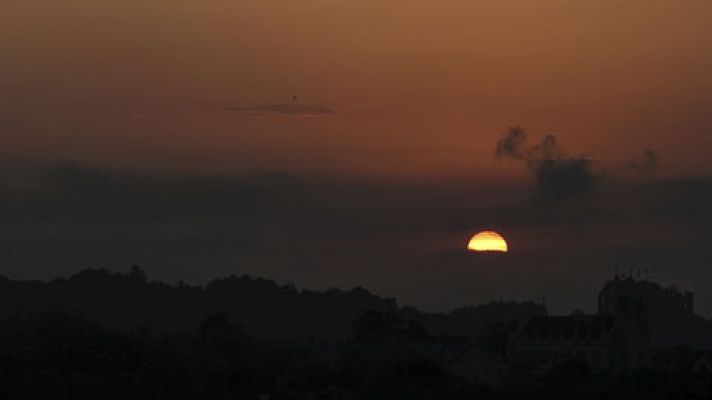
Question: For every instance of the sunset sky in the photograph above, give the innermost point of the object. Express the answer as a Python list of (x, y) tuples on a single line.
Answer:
[(344, 143)]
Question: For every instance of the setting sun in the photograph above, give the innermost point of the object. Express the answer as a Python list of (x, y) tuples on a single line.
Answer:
[(488, 241)]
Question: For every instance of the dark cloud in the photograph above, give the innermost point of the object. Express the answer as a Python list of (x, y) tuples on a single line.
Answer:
[(512, 144), (558, 176), (644, 163)]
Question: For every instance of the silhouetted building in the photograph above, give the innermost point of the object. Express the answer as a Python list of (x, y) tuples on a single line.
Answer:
[(619, 294), (669, 311), (635, 318), (544, 341)]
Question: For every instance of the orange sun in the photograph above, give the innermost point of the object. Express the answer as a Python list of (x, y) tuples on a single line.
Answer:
[(488, 241)]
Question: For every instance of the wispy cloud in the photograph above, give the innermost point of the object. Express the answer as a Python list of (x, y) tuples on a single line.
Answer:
[(288, 109)]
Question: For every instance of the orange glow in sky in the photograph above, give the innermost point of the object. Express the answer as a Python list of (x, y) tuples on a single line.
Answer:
[(304, 87)]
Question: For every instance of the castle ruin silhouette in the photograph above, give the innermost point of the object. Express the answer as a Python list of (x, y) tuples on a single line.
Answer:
[(635, 318)]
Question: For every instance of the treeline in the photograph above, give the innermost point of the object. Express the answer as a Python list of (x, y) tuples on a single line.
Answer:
[(106, 335), (101, 335), (60, 356), (129, 302)]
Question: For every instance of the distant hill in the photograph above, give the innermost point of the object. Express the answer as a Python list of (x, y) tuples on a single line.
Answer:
[(128, 302)]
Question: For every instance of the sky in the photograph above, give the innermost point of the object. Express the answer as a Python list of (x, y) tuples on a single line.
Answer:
[(340, 143)]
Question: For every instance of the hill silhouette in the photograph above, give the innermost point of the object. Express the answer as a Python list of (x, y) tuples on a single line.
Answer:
[(130, 302), (105, 335)]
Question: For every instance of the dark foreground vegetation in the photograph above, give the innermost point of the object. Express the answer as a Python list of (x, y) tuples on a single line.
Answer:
[(53, 351), (66, 357)]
